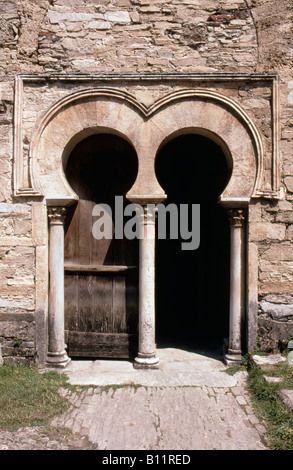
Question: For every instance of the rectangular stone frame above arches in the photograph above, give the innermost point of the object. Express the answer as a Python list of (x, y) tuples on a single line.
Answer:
[(257, 94)]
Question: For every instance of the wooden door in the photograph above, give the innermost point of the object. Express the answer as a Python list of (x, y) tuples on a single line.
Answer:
[(101, 304)]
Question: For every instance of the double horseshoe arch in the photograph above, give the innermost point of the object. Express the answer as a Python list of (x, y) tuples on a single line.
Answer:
[(147, 129)]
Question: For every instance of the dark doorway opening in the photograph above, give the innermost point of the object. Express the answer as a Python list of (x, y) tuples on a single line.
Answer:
[(192, 287), (101, 275)]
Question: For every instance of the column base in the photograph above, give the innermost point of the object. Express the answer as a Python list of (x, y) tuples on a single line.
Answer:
[(146, 362), (233, 357), (58, 360)]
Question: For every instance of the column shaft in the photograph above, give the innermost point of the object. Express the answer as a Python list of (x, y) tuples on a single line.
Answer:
[(57, 355), (146, 357), (237, 221)]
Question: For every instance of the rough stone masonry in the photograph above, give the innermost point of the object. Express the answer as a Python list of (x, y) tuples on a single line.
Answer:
[(236, 49)]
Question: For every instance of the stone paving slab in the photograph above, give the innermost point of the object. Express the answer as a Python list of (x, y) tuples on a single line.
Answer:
[(268, 362), (287, 397), (190, 403)]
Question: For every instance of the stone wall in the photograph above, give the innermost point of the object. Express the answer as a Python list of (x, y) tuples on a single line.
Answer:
[(137, 35), (145, 36), (272, 221)]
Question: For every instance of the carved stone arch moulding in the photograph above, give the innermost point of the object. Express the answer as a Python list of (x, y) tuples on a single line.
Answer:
[(219, 118), (70, 121), (189, 104)]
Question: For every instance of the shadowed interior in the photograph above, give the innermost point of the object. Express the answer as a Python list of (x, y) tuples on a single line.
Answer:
[(192, 286)]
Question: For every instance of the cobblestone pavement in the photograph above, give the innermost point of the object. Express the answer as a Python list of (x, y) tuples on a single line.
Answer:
[(38, 438), (197, 407), (167, 418)]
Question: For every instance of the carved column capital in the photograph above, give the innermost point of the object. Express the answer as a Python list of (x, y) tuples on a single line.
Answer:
[(237, 217), (146, 214), (56, 215), (149, 214)]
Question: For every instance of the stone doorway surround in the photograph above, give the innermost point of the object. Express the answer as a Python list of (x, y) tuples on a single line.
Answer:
[(54, 113)]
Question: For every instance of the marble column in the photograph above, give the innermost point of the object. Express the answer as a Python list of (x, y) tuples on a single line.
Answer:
[(57, 356), (237, 284), (147, 357)]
